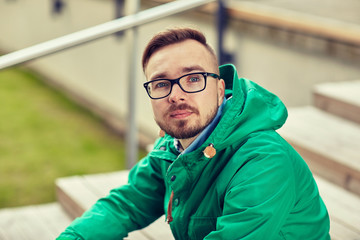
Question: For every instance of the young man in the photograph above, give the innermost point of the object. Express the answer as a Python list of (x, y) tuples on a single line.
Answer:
[(220, 171)]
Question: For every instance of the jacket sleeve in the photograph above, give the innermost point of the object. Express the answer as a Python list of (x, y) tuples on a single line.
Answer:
[(258, 198), (125, 209)]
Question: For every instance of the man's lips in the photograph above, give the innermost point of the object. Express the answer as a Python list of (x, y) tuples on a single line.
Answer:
[(180, 114), (181, 111)]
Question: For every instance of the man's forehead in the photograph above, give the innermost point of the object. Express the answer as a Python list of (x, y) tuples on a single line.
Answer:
[(180, 71), (173, 60)]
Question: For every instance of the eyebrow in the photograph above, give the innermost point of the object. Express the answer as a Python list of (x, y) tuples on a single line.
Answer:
[(185, 70), (192, 68), (158, 76)]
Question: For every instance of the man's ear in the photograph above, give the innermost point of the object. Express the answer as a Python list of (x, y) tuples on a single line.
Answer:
[(221, 91)]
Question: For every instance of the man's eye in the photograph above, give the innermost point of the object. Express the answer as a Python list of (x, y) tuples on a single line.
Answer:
[(194, 79), (161, 84)]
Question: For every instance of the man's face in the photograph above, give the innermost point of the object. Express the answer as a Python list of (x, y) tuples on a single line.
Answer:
[(184, 115)]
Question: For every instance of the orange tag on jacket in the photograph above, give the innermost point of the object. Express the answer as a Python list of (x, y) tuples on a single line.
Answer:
[(210, 151)]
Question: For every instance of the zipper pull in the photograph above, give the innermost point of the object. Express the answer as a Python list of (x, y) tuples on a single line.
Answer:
[(169, 217)]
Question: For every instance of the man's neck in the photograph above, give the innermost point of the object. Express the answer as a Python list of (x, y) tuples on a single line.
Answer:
[(186, 142)]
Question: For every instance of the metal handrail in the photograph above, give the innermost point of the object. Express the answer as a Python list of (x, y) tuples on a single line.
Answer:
[(99, 31)]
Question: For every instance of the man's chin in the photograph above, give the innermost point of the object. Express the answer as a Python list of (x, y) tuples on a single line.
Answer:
[(184, 133), (181, 129)]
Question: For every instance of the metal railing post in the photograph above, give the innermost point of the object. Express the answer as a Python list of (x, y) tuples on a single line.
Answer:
[(222, 21), (132, 141)]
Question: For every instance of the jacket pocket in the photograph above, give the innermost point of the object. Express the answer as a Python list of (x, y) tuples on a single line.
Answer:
[(199, 227)]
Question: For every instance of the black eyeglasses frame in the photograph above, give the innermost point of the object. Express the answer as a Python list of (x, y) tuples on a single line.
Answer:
[(177, 81)]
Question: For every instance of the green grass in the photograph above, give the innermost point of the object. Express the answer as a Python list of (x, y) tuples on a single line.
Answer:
[(43, 136)]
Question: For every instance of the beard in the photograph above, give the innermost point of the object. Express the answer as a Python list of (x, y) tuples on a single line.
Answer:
[(182, 129)]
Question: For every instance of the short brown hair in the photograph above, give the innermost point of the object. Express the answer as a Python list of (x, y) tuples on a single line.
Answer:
[(171, 36)]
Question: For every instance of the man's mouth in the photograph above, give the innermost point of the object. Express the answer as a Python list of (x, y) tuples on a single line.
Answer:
[(180, 114), (181, 111)]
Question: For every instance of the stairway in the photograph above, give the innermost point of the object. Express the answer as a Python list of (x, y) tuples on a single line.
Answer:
[(341, 99), (327, 135), (36, 222)]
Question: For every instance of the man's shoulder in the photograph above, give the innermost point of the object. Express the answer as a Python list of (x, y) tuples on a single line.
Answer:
[(263, 143), (264, 149)]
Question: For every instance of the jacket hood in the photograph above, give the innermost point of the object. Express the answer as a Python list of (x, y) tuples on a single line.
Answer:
[(249, 108)]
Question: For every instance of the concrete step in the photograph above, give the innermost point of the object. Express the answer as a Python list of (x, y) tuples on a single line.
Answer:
[(344, 210), (340, 98), (76, 194), (329, 144), (40, 222)]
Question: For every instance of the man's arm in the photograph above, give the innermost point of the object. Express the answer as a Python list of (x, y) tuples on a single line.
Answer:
[(125, 209), (272, 189)]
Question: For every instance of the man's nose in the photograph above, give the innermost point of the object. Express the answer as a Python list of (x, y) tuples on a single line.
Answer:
[(177, 94)]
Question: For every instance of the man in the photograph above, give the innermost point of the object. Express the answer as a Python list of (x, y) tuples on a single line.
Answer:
[(219, 171)]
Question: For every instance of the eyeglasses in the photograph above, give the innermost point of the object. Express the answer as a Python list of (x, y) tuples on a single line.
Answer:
[(189, 83)]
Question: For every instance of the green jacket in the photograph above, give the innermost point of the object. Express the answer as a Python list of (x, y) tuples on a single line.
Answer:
[(255, 187)]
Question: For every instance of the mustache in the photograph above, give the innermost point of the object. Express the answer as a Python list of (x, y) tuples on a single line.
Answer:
[(182, 106)]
